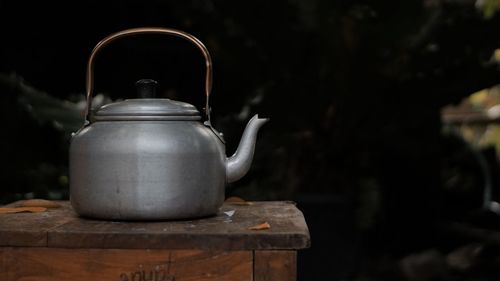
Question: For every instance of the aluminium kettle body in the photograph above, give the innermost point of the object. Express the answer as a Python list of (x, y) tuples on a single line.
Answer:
[(153, 159)]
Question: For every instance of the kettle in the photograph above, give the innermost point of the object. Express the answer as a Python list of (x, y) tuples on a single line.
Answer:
[(150, 158)]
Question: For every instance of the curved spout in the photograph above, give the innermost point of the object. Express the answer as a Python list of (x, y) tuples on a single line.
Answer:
[(239, 164)]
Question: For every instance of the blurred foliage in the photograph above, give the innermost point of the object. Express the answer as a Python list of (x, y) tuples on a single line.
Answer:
[(37, 129), (489, 7)]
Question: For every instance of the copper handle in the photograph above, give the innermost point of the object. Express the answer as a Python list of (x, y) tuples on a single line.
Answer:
[(150, 30)]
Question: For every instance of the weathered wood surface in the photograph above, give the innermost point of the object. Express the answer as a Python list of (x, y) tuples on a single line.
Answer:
[(275, 265), (53, 264), (62, 228), (30, 229)]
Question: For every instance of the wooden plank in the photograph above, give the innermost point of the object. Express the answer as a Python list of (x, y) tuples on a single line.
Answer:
[(53, 264), (275, 265), (30, 229), (288, 231), (3, 264), (62, 228)]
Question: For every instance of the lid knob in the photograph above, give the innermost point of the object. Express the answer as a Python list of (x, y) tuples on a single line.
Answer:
[(146, 88)]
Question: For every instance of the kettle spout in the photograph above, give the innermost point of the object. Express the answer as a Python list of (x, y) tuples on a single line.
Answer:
[(239, 164)]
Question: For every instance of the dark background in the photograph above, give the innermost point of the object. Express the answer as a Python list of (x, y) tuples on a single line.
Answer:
[(353, 89)]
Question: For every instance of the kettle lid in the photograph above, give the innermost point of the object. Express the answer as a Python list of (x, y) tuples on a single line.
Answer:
[(147, 107)]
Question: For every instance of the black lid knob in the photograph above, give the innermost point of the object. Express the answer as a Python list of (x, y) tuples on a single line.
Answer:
[(146, 88)]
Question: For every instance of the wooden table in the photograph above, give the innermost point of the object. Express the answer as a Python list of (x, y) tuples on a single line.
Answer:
[(57, 245)]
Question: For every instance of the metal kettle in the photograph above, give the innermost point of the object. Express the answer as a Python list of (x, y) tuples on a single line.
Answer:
[(152, 159)]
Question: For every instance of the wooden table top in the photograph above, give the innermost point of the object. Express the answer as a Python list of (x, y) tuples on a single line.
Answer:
[(62, 228)]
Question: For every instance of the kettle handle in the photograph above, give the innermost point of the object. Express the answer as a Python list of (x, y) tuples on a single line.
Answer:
[(151, 30)]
